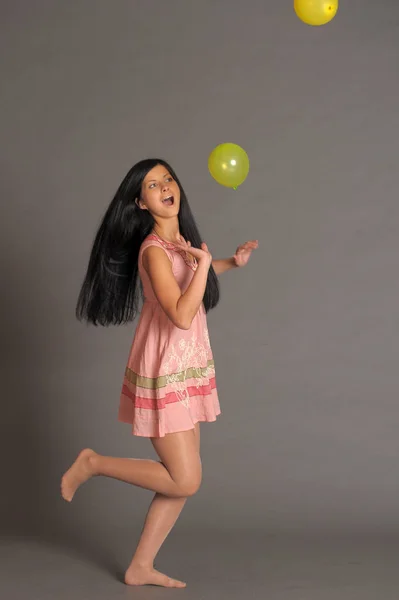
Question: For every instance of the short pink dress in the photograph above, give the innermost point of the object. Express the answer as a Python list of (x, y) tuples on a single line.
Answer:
[(169, 383)]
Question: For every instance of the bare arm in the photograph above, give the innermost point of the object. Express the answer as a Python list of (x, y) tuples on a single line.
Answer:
[(240, 258), (180, 308), (220, 265)]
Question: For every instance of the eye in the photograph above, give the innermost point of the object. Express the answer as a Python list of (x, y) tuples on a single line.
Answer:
[(152, 185), (169, 178)]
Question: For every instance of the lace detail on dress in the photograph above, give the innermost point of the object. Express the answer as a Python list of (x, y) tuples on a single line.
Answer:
[(190, 355)]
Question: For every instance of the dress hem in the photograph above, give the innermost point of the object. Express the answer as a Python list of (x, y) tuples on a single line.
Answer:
[(145, 435)]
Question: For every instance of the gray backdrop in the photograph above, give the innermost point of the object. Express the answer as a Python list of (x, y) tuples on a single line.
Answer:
[(305, 338)]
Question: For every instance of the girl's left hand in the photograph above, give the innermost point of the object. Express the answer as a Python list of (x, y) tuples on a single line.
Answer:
[(243, 253)]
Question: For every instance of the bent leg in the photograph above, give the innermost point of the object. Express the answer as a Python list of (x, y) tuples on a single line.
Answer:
[(177, 475)]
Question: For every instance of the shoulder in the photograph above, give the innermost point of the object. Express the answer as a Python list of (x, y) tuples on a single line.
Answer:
[(153, 248)]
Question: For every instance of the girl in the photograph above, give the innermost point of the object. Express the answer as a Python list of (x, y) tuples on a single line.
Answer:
[(169, 383)]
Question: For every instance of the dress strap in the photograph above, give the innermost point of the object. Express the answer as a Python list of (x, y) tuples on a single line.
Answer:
[(170, 248)]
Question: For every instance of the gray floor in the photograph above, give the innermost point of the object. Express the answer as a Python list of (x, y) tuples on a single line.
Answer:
[(215, 565)]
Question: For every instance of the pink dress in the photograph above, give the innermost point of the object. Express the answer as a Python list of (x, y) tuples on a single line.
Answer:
[(169, 383)]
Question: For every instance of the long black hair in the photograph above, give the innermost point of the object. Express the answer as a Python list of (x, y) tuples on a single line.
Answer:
[(112, 291)]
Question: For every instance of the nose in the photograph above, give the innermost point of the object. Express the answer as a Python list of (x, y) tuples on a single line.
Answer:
[(165, 187)]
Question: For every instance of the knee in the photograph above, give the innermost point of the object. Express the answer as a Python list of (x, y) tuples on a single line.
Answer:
[(189, 486)]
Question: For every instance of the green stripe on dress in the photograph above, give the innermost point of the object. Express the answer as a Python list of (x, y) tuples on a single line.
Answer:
[(155, 383)]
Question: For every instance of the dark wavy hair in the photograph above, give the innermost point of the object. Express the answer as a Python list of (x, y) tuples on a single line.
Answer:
[(112, 291)]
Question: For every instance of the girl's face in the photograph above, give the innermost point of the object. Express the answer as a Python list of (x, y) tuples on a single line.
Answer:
[(160, 193)]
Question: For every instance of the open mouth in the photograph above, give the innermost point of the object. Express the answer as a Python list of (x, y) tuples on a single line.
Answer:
[(169, 201)]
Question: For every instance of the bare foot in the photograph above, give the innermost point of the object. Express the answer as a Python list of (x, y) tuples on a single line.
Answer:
[(136, 575), (79, 472)]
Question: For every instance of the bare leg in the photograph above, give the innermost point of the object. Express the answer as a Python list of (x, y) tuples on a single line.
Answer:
[(177, 476), (161, 517)]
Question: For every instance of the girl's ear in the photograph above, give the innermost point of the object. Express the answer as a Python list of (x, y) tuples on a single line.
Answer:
[(140, 204)]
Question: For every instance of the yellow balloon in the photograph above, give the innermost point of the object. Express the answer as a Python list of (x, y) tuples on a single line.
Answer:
[(229, 165), (316, 12)]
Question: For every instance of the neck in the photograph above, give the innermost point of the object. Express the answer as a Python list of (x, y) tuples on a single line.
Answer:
[(168, 230)]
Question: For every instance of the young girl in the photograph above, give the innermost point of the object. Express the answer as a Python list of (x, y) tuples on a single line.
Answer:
[(169, 383)]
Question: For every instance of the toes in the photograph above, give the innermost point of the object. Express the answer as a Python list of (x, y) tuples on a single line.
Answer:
[(176, 583)]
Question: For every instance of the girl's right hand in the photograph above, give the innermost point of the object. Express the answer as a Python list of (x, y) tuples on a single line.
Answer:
[(201, 254)]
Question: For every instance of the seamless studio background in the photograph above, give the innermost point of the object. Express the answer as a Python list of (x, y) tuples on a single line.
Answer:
[(305, 338)]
